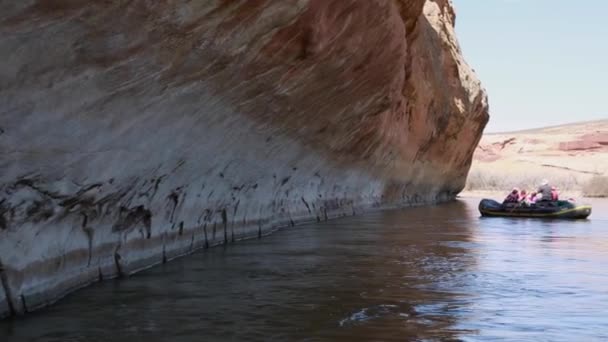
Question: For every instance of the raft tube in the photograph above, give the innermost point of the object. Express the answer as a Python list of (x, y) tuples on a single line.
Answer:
[(554, 210)]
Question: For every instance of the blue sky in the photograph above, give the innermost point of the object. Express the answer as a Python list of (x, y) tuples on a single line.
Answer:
[(543, 62)]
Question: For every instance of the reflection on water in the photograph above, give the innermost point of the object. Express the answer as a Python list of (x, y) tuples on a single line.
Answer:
[(430, 274)]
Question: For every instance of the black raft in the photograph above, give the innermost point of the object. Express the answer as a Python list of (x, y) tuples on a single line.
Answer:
[(557, 209)]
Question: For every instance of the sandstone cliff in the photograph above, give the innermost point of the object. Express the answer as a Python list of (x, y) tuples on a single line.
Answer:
[(135, 131)]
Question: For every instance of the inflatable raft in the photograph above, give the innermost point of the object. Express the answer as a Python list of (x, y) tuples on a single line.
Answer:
[(557, 210)]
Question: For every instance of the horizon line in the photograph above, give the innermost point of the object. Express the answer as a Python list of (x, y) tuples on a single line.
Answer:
[(528, 130)]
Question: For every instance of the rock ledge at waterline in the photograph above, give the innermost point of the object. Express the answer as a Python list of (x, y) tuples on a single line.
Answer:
[(132, 132)]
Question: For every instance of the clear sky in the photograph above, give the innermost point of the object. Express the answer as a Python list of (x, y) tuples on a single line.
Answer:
[(543, 62)]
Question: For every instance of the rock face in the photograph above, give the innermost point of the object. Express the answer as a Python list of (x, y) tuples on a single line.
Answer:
[(132, 132)]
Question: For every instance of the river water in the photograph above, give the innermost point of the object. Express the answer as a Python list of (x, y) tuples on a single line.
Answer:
[(437, 273)]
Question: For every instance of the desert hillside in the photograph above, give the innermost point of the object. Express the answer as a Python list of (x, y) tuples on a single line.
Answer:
[(574, 157)]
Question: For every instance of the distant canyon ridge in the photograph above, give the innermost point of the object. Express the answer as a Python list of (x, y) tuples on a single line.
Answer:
[(133, 132), (573, 157)]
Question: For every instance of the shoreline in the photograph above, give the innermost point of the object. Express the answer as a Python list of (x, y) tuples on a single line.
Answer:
[(54, 286), (501, 194)]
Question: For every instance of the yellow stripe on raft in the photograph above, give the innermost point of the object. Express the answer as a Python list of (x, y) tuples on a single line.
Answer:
[(537, 215)]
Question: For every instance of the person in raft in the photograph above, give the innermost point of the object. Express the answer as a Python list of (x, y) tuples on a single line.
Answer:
[(525, 198), (513, 197), (554, 194), (523, 195), (533, 197), (544, 191)]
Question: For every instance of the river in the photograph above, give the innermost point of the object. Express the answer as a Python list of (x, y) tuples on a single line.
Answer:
[(438, 273)]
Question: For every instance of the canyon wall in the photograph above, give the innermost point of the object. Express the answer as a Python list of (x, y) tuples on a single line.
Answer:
[(132, 132)]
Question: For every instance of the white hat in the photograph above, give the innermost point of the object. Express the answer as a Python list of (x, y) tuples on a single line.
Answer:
[(544, 182)]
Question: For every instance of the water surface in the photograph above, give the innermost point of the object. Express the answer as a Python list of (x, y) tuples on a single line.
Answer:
[(437, 273)]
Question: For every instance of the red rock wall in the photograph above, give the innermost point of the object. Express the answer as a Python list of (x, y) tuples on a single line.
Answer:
[(136, 131)]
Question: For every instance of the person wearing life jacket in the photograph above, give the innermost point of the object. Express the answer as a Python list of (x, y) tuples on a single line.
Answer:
[(513, 197), (524, 197), (532, 198), (554, 194)]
